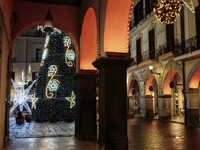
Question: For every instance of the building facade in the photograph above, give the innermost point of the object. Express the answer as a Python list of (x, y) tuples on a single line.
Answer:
[(27, 55), (163, 79)]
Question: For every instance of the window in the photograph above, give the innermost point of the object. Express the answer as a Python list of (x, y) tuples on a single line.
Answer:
[(139, 55), (152, 44), (138, 12), (38, 55), (149, 5)]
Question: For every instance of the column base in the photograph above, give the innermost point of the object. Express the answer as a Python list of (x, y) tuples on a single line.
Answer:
[(192, 116), (113, 144), (85, 118)]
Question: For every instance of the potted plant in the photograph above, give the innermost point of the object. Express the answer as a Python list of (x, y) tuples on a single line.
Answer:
[(20, 118), (39, 119), (69, 119), (27, 118), (53, 120)]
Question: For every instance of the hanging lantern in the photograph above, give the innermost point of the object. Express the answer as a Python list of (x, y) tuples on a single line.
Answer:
[(171, 84), (167, 11), (48, 24), (150, 88)]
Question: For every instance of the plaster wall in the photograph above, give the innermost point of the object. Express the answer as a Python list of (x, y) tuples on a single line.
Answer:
[(188, 66), (5, 38)]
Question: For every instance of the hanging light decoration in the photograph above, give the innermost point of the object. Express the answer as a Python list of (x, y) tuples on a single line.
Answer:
[(48, 24), (167, 11)]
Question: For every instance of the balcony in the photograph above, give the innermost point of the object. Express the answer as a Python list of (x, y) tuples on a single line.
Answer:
[(148, 57), (188, 49), (166, 50)]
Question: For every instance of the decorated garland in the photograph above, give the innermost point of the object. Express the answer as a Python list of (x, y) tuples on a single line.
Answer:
[(167, 11)]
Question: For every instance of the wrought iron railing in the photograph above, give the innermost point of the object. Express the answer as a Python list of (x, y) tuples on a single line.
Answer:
[(167, 47), (188, 46), (146, 55)]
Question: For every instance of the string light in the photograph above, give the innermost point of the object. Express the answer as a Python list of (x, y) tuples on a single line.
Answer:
[(53, 84), (34, 100), (69, 54), (167, 11)]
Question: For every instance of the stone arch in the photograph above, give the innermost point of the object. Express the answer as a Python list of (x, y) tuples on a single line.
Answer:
[(65, 17), (88, 35), (150, 77), (193, 77), (149, 82), (133, 77), (170, 69), (116, 32)]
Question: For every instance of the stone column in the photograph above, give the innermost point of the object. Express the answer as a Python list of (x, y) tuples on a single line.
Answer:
[(164, 107), (131, 105), (146, 103), (192, 106), (142, 107), (112, 103), (85, 117)]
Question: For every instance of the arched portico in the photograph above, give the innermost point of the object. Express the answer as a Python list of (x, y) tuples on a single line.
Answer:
[(133, 95), (193, 94)]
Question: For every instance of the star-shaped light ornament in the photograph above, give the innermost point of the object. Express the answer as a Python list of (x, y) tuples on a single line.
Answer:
[(34, 100), (57, 30), (71, 100), (189, 4), (22, 96)]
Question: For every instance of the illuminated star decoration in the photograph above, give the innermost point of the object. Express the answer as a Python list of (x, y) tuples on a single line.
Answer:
[(21, 97), (189, 4), (34, 100), (71, 100)]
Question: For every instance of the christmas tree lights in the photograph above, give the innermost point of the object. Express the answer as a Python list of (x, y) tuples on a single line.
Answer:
[(55, 80)]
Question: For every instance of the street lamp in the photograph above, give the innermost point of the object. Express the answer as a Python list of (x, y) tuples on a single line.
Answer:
[(151, 70)]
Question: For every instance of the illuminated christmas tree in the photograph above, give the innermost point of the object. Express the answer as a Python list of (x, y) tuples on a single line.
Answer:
[(54, 92)]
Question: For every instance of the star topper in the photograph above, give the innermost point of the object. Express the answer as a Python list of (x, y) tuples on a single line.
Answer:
[(34, 100), (71, 100)]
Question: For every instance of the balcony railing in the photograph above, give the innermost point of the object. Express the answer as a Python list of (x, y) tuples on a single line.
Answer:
[(188, 46), (167, 47), (146, 55)]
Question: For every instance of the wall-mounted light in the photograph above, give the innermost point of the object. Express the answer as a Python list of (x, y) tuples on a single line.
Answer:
[(151, 70), (48, 24)]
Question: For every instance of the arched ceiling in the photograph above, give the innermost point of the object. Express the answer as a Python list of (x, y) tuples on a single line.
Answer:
[(58, 2)]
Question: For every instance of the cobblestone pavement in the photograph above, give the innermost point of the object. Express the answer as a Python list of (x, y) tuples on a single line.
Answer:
[(143, 134), (148, 134), (38, 130)]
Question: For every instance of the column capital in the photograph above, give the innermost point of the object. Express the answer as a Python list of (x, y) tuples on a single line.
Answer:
[(112, 61), (85, 75)]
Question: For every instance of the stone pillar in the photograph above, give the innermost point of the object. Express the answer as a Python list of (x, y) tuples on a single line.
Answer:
[(85, 117), (164, 107), (142, 107), (112, 103), (192, 106), (131, 105), (146, 103)]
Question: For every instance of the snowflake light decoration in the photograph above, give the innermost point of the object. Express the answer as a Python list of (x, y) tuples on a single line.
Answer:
[(53, 85), (66, 41), (70, 55), (21, 97)]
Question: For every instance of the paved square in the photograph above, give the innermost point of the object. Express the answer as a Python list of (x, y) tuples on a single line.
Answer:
[(38, 130)]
